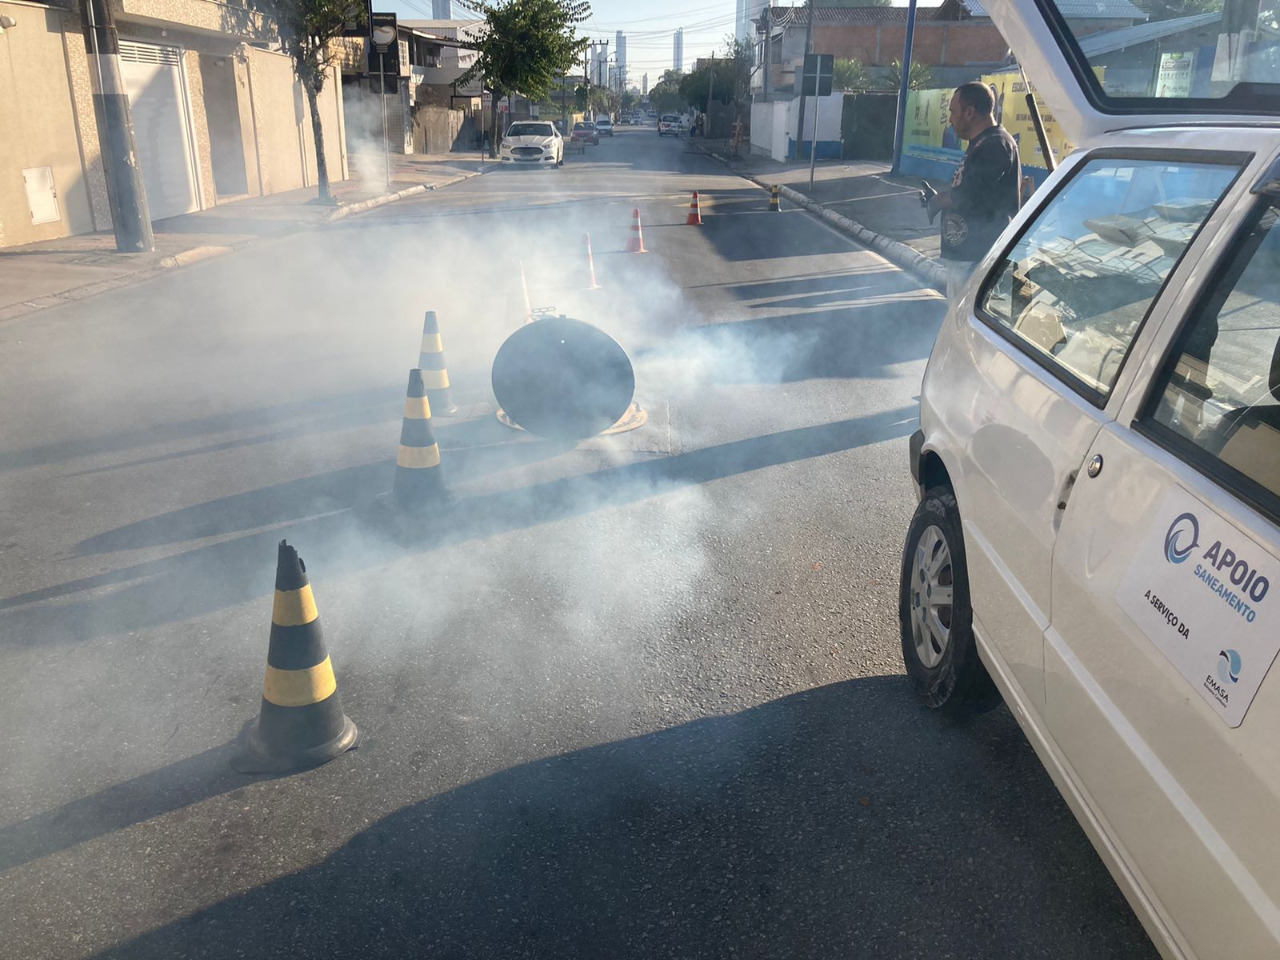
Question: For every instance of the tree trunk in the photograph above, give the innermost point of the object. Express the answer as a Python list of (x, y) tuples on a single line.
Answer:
[(317, 133), (494, 136)]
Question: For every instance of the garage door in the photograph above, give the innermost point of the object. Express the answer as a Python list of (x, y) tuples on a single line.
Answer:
[(157, 88)]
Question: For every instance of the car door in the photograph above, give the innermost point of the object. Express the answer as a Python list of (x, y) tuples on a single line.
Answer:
[(1033, 366), (1162, 697)]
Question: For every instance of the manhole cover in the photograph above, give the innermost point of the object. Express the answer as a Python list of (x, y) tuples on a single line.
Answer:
[(563, 378)]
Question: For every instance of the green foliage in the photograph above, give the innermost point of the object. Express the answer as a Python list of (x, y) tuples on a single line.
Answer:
[(527, 44), (732, 82), (664, 96), (580, 97), (851, 75), (306, 29), (920, 78)]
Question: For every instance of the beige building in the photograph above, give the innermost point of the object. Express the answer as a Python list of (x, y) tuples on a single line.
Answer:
[(217, 114)]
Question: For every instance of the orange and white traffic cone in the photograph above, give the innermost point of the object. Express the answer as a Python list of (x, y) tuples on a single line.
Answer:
[(695, 215), (591, 264), (635, 242)]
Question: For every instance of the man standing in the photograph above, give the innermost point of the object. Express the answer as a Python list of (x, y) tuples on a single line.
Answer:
[(984, 193)]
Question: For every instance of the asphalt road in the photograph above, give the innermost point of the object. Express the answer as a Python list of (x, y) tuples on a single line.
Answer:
[(638, 697)]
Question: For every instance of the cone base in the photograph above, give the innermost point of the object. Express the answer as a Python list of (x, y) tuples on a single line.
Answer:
[(634, 418), (255, 757)]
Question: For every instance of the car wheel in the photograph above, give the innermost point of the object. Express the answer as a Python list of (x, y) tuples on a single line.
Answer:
[(935, 614)]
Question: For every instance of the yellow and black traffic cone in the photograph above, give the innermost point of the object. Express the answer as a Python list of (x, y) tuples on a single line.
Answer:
[(301, 723), (774, 206), (418, 480), (435, 375)]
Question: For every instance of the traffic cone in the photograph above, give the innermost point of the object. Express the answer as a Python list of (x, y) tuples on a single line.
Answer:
[(524, 292), (695, 215), (417, 481), (635, 242), (774, 206), (591, 264), (435, 375), (300, 723)]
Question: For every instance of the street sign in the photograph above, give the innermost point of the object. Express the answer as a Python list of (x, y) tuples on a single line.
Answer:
[(360, 28), (384, 51), (818, 71)]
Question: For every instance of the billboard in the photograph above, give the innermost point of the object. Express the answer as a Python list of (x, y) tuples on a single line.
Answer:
[(929, 138)]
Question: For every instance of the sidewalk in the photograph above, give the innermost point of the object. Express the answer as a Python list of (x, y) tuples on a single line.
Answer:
[(54, 272), (861, 191)]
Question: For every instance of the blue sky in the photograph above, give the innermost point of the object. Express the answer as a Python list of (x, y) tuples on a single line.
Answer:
[(648, 25)]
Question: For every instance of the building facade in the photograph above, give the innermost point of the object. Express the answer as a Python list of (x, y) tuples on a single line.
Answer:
[(217, 114), (677, 50), (620, 74)]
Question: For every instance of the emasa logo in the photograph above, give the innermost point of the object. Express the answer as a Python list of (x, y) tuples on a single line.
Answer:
[(1182, 538), (1229, 666)]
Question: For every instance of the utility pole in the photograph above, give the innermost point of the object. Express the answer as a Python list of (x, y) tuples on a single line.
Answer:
[(899, 128), (130, 216), (768, 43), (808, 49), (711, 86)]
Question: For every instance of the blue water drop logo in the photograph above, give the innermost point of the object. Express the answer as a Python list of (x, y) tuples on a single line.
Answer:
[(1229, 666), (1182, 538)]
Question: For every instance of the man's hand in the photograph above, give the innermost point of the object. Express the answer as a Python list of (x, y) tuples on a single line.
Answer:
[(928, 197)]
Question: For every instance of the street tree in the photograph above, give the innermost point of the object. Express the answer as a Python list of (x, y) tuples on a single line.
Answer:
[(920, 77), (307, 30), (524, 46), (851, 75)]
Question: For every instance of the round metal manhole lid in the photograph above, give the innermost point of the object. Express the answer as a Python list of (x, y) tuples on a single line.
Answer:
[(563, 378)]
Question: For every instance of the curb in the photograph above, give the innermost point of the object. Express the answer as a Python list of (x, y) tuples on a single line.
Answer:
[(895, 251), (184, 257), (350, 209)]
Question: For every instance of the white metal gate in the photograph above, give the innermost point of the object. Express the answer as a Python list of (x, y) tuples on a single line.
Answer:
[(157, 88)]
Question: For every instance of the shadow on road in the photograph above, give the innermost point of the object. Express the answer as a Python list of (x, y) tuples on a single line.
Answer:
[(233, 571), (844, 821)]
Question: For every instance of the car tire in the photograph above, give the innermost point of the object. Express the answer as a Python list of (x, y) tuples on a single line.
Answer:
[(938, 647)]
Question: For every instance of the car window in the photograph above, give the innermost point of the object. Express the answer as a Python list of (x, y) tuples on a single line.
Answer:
[(1175, 53), (1076, 286), (530, 130), (1219, 395)]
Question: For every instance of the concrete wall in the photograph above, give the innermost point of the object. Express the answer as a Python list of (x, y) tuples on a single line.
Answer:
[(250, 100), (286, 156), (830, 114), (40, 125)]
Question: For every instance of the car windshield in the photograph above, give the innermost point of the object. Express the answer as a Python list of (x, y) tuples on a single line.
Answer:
[(1206, 55), (530, 130), (669, 118)]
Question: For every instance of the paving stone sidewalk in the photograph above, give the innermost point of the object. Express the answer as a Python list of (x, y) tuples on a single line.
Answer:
[(53, 272)]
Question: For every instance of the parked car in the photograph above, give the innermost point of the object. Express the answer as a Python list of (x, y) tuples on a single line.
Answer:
[(534, 142), (1098, 465), (669, 123), (584, 131), (604, 126)]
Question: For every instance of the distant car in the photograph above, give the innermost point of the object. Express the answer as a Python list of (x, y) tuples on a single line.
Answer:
[(533, 142), (604, 126), (669, 123), (584, 131)]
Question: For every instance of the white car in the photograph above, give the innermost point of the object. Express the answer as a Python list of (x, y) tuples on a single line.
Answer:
[(605, 126), (532, 142), (669, 123), (1098, 464)]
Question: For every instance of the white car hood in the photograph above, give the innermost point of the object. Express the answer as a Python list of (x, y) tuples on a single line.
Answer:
[(531, 141)]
